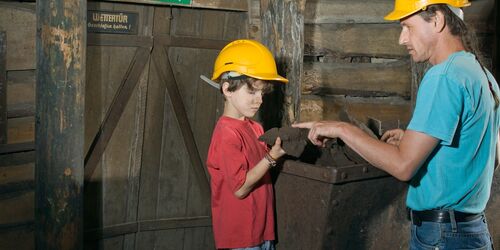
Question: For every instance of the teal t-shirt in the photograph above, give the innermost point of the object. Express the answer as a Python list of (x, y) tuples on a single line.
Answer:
[(455, 105)]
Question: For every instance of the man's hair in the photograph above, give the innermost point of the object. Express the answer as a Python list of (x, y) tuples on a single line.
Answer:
[(235, 84), (456, 26), (459, 28)]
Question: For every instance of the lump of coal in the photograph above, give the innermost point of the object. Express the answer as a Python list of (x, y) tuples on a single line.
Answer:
[(293, 140)]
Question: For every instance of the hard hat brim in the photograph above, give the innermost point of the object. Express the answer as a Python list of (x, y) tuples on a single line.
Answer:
[(270, 77), (265, 77), (398, 15)]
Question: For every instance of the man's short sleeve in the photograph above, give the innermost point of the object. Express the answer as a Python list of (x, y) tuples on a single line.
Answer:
[(438, 108)]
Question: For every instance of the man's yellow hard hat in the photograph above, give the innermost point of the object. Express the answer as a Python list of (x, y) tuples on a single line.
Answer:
[(404, 8), (247, 57)]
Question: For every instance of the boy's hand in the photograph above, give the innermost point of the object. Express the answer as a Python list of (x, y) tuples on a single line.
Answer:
[(277, 151)]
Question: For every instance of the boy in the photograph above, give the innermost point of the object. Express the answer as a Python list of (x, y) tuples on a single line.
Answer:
[(238, 164)]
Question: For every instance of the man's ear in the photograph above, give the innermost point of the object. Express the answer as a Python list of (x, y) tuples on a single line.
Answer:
[(439, 21)]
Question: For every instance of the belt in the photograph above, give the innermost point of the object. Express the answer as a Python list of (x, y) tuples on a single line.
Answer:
[(440, 216)]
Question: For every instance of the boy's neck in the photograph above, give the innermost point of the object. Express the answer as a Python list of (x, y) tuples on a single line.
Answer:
[(230, 111)]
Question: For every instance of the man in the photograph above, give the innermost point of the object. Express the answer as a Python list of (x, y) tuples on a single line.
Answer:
[(448, 150)]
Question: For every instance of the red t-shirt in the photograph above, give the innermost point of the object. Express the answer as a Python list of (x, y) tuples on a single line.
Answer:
[(234, 150)]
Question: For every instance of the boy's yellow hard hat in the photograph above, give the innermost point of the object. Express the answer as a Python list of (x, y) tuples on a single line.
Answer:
[(404, 8), (247, 57)]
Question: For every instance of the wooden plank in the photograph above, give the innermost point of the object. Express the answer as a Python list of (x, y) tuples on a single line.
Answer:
[(3, 87), (25, 157), (184, 42), (148, 225), (21, 110), (162, 62), (13, 174), (18, 209), (16, 189), (357, 79), (151, 159), (95, 39), (161, 26), (328, 108), (20, 25), (20, 237), (238, 5), (353, 11), (20, 93), (283, 32), (118, 105), (241, 5), (16, 148), (376, 40), (21, 130), (136, 153)]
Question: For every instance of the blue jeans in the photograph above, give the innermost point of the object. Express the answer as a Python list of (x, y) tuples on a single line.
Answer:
[(266, 245), (454, 235)]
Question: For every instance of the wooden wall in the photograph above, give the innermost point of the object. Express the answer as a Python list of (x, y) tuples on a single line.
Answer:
[(16, 152), (148, 123), (352, 62)]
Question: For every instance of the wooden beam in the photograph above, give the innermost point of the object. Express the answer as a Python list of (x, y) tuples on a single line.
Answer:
[(353, 11), (3, 87), (238, 5), (357, 79), (96, 39), (7, 160), (386, 109), (374, 40), (60, 51), (16, 148), (283, 34)]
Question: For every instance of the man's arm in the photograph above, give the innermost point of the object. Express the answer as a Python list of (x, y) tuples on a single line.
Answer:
[(401, 161)]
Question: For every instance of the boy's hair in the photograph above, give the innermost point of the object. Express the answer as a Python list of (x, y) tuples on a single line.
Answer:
[(238, 82)]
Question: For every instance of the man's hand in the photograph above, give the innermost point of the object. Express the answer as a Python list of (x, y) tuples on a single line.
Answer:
[(393, 136), (320, 132)]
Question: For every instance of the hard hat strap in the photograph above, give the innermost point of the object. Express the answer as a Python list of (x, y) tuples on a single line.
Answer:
[(232, 75), (457, 11)]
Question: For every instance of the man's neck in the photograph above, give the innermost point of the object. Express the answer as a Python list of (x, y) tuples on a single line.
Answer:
[(447, 45)]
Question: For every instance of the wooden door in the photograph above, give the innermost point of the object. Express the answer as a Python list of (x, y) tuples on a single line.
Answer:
[(149, 120)]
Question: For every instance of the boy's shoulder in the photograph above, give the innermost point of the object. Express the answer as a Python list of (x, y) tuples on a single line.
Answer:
[(229, 126)]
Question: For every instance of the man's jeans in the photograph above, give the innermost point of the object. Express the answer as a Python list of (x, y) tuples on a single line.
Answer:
[(455, 235)]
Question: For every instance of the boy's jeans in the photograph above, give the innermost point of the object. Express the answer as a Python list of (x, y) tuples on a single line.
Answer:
[(462, 235), (267, 245)]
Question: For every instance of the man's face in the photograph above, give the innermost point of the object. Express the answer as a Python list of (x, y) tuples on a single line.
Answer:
[(419, 38)]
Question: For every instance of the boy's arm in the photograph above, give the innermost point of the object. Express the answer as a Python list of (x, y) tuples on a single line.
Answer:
[(256, 173)]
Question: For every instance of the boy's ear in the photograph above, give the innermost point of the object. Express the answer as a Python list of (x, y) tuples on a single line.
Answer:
[(225, 91)]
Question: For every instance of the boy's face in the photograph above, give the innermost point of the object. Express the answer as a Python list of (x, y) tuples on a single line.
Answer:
[(244, 102)]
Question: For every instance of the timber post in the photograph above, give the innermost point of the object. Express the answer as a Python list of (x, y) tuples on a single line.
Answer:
[(283, 34), (59, 123)]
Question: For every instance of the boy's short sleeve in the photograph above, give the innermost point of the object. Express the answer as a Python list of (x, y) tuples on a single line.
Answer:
[(438, 108), (231, 160)]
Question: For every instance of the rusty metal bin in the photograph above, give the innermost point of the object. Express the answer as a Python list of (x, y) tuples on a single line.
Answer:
[(348, 207)]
